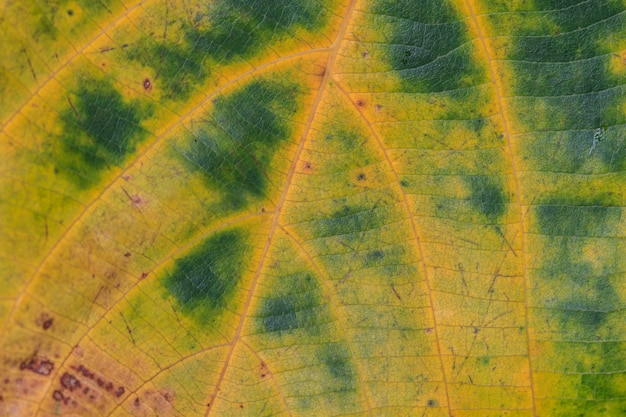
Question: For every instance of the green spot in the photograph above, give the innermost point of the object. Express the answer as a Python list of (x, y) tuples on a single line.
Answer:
[(233, 147), (404, 183), (337, 361), (487, 197), (297, 308), (226, 31), (205, 279), (349, 221), (100, 130), (432, 403), (577, 218), (428, 45), (297, 305), (567, 224)]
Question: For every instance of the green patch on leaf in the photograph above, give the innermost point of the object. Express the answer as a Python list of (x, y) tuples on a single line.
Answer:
[(336, 358), (487, 197), (429, 48), (100, 129), (233, 147), (224, 32), (204, 280), (297, 306)]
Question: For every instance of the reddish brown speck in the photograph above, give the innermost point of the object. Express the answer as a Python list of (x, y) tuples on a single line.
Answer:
[(120, 391), (127, 254), (364, 54), (137, 402), (240, 405), (143, 275), (147, 85), (46, 324), (360, 103), (57, 395)]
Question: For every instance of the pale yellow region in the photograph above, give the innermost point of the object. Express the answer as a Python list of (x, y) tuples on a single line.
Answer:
[(179, 389), (250, 387)]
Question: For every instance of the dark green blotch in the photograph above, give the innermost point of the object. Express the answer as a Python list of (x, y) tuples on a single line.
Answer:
[(203, 281), (349, 221), (374, 257), (337, 361), (233, 148), (297, 306), (428, 45), (487, 197), (566, 74), (99, 130), (229, 30), (577, 218)]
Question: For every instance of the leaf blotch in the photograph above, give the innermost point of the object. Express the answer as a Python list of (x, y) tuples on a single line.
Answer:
[(428, 45), (233, 147), (204, 280), (224, 32), (348, 221), (487, 197), (337, 361), (297, 307), (100, 129)]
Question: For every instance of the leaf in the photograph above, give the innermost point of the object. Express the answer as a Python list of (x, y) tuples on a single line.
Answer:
[(312, 207)]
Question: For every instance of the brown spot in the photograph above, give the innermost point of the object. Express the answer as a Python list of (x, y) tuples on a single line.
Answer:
[(428, 331), (45, 321), (69, 381), (143, 275), (364, 54), (262, 375), (38, 365), (147, 84), (168, 394), (378, 107), (57, 395), (361, 177), (137, 402), (127, 254), (360, 103), (120, 391), (307, 166), (240, 405)]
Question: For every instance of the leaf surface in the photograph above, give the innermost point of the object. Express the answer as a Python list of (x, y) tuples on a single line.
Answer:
[(312, 207)]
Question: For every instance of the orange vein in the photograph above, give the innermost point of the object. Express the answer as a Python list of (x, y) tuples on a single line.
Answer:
[(414, 228), (292, 169), (507, 134), (271, 374), (123, 172)]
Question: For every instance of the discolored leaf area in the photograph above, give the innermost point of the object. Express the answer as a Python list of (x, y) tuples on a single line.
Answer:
[(312, 208)]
